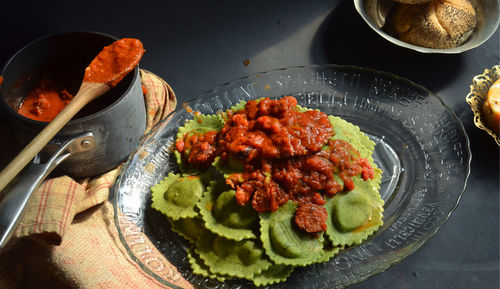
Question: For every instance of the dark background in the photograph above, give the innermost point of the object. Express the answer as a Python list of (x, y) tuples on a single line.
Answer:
[(197, 45)]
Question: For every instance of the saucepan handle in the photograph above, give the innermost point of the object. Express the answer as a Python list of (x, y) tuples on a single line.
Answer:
[(13, 205)]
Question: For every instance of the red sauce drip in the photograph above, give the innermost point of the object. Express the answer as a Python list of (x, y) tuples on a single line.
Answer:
[(286, 154), (113, 63)]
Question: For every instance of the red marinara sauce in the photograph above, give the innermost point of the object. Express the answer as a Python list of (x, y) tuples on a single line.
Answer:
[(46, 100), (113, 63), (287, 154), (201, 147)]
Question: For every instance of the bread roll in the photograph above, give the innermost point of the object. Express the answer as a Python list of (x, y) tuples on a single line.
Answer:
[(436, 24), (412, 1), (491, 107)]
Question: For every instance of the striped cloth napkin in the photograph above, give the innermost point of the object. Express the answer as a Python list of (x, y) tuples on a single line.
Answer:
[(67, 238)]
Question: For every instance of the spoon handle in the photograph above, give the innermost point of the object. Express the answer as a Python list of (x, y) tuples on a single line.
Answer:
[(87, 92)]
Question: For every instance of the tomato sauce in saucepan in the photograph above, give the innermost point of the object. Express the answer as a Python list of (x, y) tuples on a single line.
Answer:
[(286, 154), (110, 66), (46, 100)]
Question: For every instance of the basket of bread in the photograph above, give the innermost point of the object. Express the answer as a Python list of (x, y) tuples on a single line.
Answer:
[(484, 100), (432, 26)]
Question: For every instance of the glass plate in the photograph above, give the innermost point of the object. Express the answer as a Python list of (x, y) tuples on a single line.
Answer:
[(420, 145)]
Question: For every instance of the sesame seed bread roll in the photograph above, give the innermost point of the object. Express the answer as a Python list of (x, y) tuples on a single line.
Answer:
[(412, 1), (436, 24)]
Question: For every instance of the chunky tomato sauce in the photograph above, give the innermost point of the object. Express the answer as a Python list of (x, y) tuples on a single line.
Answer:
[(45, 101), (113, 63), (201, 148), (286, 155)]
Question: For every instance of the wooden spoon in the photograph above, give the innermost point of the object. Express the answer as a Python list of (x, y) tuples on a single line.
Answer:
[(107, 69)]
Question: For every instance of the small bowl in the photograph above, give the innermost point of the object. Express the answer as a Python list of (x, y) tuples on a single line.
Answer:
[(478, 91), (374, 12)]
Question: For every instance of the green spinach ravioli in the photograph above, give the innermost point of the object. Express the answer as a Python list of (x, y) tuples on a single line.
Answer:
[(239, 211)]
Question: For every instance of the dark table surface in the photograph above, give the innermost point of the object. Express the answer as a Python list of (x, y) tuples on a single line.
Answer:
[(197, 45)]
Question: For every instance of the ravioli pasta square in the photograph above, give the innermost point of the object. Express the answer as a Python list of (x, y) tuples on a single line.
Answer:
[(242, 259), (177, 196), (222, 216), (284, 243)]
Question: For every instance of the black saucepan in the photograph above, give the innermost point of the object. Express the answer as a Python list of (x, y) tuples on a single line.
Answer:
[(96, 140)]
